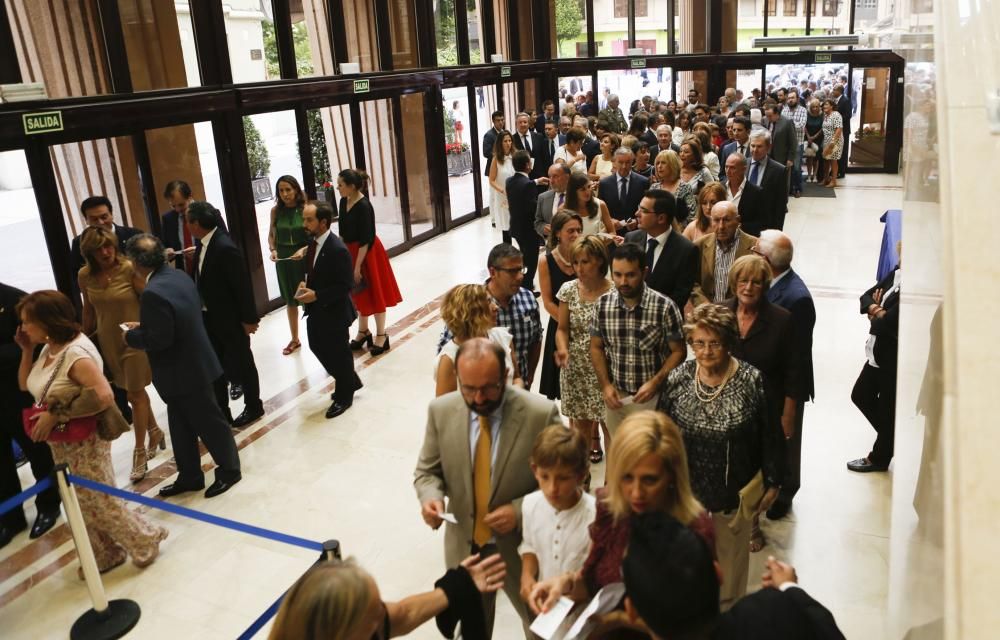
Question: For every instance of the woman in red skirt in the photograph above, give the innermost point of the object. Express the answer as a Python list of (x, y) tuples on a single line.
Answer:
[(375, 285)]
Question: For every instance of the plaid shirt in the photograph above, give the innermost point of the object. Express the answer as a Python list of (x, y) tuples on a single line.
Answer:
[(798, 118), (636, 340), (522, 319)]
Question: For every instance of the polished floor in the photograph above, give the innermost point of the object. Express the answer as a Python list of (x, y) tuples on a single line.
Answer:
[(350, 478)]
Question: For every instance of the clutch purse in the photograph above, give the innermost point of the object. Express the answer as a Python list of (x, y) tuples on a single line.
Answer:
[(76, 430), (359, 287)]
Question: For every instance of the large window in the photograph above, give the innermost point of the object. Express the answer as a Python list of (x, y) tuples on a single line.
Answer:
[(444, 33), (458, 150), (651, 28), (24, 259), (570, 20)]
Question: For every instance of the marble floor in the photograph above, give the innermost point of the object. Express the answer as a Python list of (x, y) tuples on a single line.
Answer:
[(350, 478)]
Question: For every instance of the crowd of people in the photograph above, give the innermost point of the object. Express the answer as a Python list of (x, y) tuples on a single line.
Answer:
[(640, 264)]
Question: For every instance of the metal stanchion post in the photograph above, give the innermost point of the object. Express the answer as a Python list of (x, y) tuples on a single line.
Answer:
[(108, 619), (331, 551)]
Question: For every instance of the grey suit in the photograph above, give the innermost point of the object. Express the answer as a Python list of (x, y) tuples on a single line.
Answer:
[(444, 470), (543, 212)]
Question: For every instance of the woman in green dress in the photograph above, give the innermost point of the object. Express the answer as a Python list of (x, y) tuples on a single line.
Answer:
[(285, 237)]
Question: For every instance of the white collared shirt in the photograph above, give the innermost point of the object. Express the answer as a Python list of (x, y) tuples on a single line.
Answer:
[(204, 247), (661, 241), (761, 166), (559, 539), (781, 275), (735, 197), (319, 244)]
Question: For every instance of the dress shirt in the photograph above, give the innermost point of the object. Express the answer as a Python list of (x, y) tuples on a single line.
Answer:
[(894, 291), (559, 539), (556, 204), (526, 141), (204, 247), (661, 241), (735, 197), (319, 245), (781, 275), (724, 258), (495, 419)]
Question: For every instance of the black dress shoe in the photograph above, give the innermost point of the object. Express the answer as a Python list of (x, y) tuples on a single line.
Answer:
[(778, 510), (235, 392), (45, 521), (336, 409), (221, 486), (7, 533), (248, 416), (177, 489), (864, 465)]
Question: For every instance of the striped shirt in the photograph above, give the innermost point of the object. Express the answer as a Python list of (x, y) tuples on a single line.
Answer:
[(798, 117), (724, 258), (636, 340)]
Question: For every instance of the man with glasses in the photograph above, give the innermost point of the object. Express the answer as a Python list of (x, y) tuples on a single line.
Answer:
[(517, 309), (488, 428), (718, 250), (636, 338), (671, 259)]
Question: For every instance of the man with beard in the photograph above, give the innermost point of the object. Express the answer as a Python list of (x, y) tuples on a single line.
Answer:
[(476, 453)]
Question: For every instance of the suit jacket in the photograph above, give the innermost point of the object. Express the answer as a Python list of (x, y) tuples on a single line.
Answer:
[(537, 144), (444, 468), (886, 328), (674, 272), (562, 140), (704, 286), (591, 148), (792, 294), (607, 190), (10, 353), (771, 614), (170, 234), (123, 234), (543, 157), (332, 278), (224, 287), (649, 137), (489, 139), (753, 209), (522, 200), (172, 333), (844, 109), (727, 149), (543, 212), (784, 142), (774, 184)]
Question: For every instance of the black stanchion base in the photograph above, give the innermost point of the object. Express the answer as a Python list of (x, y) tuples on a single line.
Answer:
[(118, 620)]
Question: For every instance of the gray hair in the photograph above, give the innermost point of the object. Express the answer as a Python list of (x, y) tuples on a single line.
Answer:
[(761, 134), (146, 251), (613, 96), (501, 252), (623, 151), (778, 253)]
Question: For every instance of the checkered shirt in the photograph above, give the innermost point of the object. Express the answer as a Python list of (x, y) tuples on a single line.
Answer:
[(798, 118)]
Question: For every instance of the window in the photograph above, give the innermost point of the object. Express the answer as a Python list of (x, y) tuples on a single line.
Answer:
[(641, 8), (831, 7), (772, 7), (570, 19), (791, 7)]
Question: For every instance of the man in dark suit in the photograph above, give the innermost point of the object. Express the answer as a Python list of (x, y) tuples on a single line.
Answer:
[(172, 333), (749, 199), (547, 115), (547, 153), (527, 140), (653, 121), (174, 234), (740, 142), (664, 141), (490, 138), (12, 401), (522, 200), (551, 200), (671, 259), (230, 315), (784, 143), (788, 291), (326, 294), (622, 190), (771, 177), (843, 105), (591, 146)]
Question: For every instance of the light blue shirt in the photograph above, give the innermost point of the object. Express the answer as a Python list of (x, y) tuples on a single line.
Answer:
[(495, 418)]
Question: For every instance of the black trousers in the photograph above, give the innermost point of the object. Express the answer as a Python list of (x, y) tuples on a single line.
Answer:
[(330, 345), (39, 457), (528, 244), (793, 459), (193, 416), (875, 395), (238, 365)]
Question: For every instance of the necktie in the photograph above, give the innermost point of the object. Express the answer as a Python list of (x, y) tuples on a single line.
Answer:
[(188, 260), (196, 272), (481, 481), (753, 174), (651, 245), (310, 257), (623, 194), (552, 149), (562, 199), (527, 145), (742, 152)]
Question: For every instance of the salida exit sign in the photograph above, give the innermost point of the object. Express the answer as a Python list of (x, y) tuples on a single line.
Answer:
[(45, 122)]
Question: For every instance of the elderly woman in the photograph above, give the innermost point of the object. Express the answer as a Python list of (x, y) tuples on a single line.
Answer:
[(767, 342), (555, 269), (719, 404), (338, 600), (582, 401), (647, 471), (711, 194), (111, 291), (833, 141), (468, 312), (694, 175), (70, 367)]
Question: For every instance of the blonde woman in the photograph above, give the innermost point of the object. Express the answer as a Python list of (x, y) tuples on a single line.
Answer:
[(647, 471), (468, 312)]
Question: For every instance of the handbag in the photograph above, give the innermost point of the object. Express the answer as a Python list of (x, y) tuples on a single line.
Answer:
[(810, 150), (75, 430)]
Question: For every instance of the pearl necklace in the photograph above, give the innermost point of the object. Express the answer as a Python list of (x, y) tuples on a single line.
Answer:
[(560, 259), (701, 390)]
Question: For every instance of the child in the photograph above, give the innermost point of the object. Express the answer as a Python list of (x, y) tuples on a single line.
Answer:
[(555, 519)]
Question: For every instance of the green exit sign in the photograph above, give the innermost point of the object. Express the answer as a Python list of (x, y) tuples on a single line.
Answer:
[(824, 57), (504, 72), (638, 63), (361, 86), (45, 122)]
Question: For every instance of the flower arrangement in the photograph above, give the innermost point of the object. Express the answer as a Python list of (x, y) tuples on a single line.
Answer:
[(455, 148), (327, 186)]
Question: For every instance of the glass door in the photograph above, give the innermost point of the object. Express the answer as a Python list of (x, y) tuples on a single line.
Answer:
[(459, 148), (869, 94)]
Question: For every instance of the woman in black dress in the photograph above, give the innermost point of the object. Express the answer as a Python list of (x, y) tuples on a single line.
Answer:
[(554, 269)]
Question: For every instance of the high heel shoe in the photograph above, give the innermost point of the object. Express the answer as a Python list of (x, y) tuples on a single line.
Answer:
[(139, 465), (359, 345), (377, 350), (157, 440), (596, 453)]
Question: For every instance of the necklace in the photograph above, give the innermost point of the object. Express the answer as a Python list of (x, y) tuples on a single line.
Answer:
[(703, 391), (557, 252)]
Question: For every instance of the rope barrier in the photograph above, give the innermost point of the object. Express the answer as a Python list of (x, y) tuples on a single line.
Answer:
[(197, 515), (259, 623), (11, 503)]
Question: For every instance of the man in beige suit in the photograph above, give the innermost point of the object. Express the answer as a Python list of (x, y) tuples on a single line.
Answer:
[(719, 250), (476, 453)]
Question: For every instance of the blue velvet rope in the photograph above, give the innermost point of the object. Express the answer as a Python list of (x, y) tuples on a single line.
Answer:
[(196, 515), (40, 486), (262, 620)]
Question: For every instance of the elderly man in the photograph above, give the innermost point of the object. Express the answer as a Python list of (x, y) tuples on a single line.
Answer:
[(623, 189), (565, 124), (614, 116), (553, 199), (747, 197), (665, 140), (477, 454), (787, 290), (770, 177), (527, 140), (718, 251)]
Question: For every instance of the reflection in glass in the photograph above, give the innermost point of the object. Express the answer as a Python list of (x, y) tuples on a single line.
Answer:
[(418, 179), (611, 27), (383, 185), (690, 26), (486, 104), (24, 257), (458, 151), (570, 19), (302, 45), (475, 32), (632, 85), (870, 93), (651, 33), (444, 33)]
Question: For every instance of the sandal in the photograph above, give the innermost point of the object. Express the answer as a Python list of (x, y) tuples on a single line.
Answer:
[(358, 344), (292, 347), (757, 539), (596, 453), (157, 440), (139, 465)]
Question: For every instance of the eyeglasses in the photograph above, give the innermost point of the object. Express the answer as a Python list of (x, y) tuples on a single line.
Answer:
[(513, 270), (755, 283), (701, 345), (486, 390)]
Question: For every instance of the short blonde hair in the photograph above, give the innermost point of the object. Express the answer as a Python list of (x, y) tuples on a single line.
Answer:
[(753, 266), (93, 240), (328, 602), (557, 445), (639, 435), (716, 318), (466, 311), (673, 161), (594, 247)]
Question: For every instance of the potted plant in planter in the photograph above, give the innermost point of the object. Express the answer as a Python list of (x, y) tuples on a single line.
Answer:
[(320, 158), (459, 158), (259, 161)]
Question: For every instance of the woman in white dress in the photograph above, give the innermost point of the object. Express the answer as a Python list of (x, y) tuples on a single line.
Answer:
[(580, 199), (501, 168)]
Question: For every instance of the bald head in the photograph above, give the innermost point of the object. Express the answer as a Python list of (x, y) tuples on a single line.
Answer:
[(776, 248), (725, 220)]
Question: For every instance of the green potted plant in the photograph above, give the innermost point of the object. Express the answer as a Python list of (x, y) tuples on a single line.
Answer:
[(320, 157), (259, 161)]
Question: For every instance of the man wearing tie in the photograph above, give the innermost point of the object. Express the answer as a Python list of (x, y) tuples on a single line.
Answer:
[(527, 140), (671, 259), (326, 294), (739, 144), (522, 199), (174, 232), (476, 453), (547, 154), (553, 199), (622, 190), (770, 176)]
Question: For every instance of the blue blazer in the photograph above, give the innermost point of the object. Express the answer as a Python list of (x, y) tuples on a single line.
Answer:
[(792, 294), (172, 333)]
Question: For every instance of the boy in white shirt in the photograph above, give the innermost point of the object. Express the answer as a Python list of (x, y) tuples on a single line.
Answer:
[(555, 520)]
